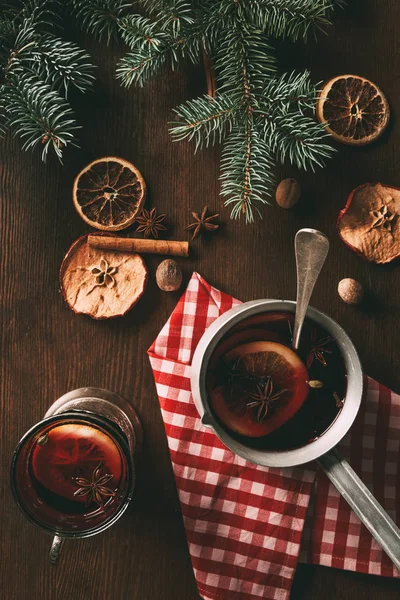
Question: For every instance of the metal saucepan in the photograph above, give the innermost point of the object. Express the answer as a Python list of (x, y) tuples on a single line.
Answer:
[(322, 449)]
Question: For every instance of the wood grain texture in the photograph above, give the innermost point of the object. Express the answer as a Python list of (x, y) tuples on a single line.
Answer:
[(47, 350)]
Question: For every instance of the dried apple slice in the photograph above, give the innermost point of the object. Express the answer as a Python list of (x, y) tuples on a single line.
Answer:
[(284, 392), (369, 223), (101, 283)]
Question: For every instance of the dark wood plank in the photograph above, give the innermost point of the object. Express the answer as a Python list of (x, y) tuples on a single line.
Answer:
[(47, 350)]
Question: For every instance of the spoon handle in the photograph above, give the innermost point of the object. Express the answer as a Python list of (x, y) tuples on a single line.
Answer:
[(311, 247), (366, 507)]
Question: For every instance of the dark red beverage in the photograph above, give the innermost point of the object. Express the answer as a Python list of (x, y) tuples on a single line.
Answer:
[(269, 396), (71, 474)]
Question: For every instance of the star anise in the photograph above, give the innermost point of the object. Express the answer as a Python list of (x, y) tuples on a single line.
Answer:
[(383, 217), (263, 398), (318, 350), (234, 377), (150, 223), (202, 222), (95, 489), (104, 274)]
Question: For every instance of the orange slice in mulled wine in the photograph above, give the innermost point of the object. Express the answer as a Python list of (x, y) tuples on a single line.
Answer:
[(72, 451), (233, 340), (269, 385)]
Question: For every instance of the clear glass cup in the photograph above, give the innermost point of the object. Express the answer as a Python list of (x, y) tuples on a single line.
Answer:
[(73, 473)]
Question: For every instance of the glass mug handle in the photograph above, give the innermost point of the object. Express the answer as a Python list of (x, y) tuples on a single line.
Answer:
[(55, 549)]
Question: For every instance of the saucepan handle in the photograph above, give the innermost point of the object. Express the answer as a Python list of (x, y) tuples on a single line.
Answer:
[(363, 503), (55, 549)]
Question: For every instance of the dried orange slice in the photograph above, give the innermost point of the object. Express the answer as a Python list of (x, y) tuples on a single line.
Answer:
[(109, 193), (354, 109)]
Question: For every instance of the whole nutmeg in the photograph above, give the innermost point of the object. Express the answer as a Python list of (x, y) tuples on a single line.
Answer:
[(351, 291), (288, 193), (169, 276)]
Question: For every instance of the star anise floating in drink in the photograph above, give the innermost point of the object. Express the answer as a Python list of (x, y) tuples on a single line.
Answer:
[(150, 223), (318, 350), (95, 489), (263, 398), (202, 222)]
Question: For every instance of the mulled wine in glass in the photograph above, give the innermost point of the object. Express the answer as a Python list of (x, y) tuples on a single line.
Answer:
[(73, 473)]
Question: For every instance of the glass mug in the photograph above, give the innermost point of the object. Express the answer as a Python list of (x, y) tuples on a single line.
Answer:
[(73, 473)]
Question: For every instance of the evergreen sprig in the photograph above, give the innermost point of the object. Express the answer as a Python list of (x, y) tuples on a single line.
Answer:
[(38, 68), (38, 114), (260, 116), (100, 17)]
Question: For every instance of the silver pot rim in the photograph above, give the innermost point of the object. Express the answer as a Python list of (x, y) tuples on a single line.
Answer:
[(286, 458)]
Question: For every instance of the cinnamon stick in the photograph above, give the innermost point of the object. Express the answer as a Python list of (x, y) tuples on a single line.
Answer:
[(138, 245)]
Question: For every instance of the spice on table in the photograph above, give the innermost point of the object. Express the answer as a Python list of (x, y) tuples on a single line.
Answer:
[(120, 244), (354, 110), (101, 283), (202, 222), (288, 193), (150, 223), (369, 224), (109, 193), (351, 291), (169, 276)]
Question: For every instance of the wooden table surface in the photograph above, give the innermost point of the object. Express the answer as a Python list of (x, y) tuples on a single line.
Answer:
[(47, 350)]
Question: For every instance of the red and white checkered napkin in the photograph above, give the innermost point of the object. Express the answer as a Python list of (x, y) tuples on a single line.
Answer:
[(244, 523)]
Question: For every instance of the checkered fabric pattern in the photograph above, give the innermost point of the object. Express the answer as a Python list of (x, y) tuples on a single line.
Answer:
[(244, 523), (334, 536)]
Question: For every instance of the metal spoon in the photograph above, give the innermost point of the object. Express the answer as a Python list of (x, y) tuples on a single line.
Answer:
[(311, 248)]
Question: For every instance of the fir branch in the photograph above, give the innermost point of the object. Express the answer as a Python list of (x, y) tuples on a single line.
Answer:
[(246, 167), (140, 33), (287, 118), (139, 66), (63, 65), (244, 61), (292, 19), (299, 139), (38, 115), (8, 33), (290, 90), (174, 16), (4, 116), (42, 14), (101, 18), (205, 120), (22, 42)]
